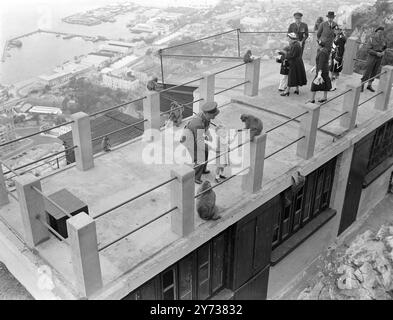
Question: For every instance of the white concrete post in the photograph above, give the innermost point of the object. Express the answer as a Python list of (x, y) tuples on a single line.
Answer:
[(308, 127), (3, 189), (252, 75), (81, 135), (252, 181), (195, 105), (351, 49), (151, 113), (350, 105), (206, 89), (183, 197), (32, 208), (82, 237), (385, 87)]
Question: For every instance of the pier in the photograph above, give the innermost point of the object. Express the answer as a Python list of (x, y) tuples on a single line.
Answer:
[(67, 35)]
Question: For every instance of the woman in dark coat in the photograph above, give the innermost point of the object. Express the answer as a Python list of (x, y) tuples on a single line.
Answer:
[(338, 48), (321, 81), (297, 73)]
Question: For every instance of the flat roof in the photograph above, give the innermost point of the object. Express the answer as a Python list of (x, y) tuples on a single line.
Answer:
[(124, 173)]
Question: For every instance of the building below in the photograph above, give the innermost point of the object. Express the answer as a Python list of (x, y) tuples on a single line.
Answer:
[(7, 131)]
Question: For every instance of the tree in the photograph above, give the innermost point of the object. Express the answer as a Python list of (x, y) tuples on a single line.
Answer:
[(60, 119)]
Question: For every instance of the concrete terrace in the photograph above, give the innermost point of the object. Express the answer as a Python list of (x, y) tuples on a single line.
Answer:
[(122, 174)]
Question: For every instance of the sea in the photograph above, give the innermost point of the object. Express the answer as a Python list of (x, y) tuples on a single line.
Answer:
[(42, 52)]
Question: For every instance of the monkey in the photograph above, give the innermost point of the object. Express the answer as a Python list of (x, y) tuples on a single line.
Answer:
[(206, 203), (152, 85), (253, 123), (106, 146), (176, 114), (248, 57)]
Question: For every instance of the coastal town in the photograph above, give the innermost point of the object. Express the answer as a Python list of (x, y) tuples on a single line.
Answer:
[(118, 70)]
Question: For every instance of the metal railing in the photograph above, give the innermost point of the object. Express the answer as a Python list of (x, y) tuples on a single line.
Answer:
[(44, 223), (136, 229), (284, 147), (133, 198)]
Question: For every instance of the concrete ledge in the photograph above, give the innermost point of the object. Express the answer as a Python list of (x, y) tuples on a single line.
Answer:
[(300, 236)]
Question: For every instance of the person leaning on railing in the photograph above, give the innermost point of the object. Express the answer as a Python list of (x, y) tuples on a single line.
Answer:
[(376, 47), (195, 142)]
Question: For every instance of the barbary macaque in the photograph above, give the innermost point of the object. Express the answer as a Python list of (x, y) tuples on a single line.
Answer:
[(206, 203), (253, 123), (248, 57)]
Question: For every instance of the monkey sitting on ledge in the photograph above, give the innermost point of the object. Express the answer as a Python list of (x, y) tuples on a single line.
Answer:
[(253, 123), (206, 203)]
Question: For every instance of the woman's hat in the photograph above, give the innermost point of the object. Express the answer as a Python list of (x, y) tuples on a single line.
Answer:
[(298, 14), (331, 14), (380, 28), (336, 27), (210, 107), (292, 36)]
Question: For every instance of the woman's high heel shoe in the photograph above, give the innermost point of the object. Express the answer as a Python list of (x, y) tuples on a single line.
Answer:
[(296, 92), (284, 94)]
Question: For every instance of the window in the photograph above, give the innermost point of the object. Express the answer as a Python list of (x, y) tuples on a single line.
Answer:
[(204, 272), (169, 284), (218, 254), (382, 146), (300, 206), (186, 278)]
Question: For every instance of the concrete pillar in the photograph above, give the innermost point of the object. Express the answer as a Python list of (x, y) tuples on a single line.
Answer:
[(313, 49), (3, 189), (252, 75), (82, 237), (252, 181), (151, 113), (308, 127), (206, 88), (350, 104), (351, 49), (32, 208), (81, 135), (384, 86), (340, 181), (183, 197), (196, 105)]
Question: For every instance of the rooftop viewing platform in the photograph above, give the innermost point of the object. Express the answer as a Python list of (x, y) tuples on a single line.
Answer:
[(140, 209)]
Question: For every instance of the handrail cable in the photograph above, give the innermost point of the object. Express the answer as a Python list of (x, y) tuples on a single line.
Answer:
[(12, 195), (286, 146), (220, 183), (134, 198), (53, 230), (36, 133), (200, 56), (197, 40), (372, 78), (230, 88), (335, 118), (230, 68), (51, 201), (116, 106), (368, 99), (285, 122), (179, 85), (9, 168), (41, 159), (118, 130), (135, 230), (335, 97)]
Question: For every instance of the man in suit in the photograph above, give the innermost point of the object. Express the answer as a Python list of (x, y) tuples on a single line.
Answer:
[(299, 28), (376, 47), (326, 31)]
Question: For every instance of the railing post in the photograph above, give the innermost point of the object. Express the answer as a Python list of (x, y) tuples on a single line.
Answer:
[(313, 49), (81, 135), (82, 237), (350, 105), (32, 208), (183, 197), (252, 76), (308, 128), (385, 88), (151, 113), (3, 189), (252, 181), (351, 49), (206, 89)]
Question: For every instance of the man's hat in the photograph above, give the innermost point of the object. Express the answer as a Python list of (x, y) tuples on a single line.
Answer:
[(292, 36), (331, 14), (210, 107), (298, 14)]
